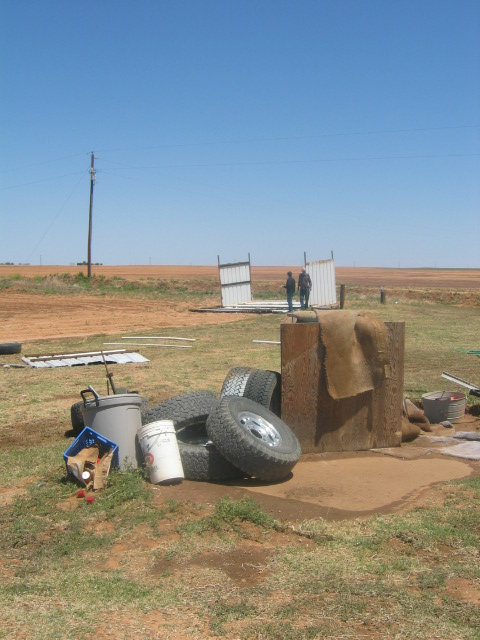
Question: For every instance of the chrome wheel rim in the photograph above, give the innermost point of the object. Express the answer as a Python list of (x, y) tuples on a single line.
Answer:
[(260, 428)]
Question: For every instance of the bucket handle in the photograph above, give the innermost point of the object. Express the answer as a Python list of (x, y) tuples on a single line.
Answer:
[(95, 395)]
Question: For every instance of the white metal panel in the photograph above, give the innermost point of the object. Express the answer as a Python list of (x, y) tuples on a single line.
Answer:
[(51, 362), (237, 294), (235, 281), (323, 292)]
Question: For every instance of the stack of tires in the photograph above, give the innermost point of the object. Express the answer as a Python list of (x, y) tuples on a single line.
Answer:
[(237, 435)]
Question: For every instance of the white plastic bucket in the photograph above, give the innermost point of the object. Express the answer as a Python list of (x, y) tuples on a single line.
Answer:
[(158, 441), (117, 418)]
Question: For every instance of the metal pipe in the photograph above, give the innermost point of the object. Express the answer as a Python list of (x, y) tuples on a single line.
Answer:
[(154, 344), (156, 338), (78, 355)]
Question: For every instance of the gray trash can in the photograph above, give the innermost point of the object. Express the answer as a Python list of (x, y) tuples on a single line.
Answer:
[(117, 418)]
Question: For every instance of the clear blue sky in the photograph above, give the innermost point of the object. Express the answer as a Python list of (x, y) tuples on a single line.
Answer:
[(228, 127)]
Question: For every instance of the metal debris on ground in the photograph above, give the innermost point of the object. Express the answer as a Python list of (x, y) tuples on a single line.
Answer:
[(153, 344), (157, 338), (115, 356), (260, 306), (474, 390), (462, 444)]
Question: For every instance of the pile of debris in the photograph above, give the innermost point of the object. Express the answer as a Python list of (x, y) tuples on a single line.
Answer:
[(239, 434), (236, 435)]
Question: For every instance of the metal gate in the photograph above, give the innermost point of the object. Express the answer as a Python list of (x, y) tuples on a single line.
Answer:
[(235, 281), (323, 292)]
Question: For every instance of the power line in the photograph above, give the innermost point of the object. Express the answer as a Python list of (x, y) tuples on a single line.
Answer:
[(28, 184), (286, 162), (41, 163), (291, 138), (55, 218)]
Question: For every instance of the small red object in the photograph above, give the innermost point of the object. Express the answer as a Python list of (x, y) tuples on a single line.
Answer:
[(81, 493), (90, 499)]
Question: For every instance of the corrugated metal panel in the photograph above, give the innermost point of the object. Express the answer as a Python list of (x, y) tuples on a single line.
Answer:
[(324, 292), (75, 360), (235, 281), (125, 358)]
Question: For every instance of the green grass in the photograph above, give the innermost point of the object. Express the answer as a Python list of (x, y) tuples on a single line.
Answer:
[(227, 513), (389, 573), (68, 568), (98, 285), (39, 400)]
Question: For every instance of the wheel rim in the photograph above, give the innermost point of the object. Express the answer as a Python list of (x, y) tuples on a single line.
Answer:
[(260, 428)]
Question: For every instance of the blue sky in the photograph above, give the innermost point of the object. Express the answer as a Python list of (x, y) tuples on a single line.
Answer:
[(228, 127)]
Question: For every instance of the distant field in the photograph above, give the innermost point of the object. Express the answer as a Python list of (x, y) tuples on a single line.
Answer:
[(36, 303), (423, 278)]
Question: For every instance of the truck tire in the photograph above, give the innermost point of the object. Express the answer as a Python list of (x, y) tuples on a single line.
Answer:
[(202, 461), (8, 348), (235, 381), (77, 417), (253, 438), (265, 387), (188, 410)]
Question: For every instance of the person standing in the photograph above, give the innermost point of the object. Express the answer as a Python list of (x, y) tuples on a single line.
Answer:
[(290, 288), (304, 286)]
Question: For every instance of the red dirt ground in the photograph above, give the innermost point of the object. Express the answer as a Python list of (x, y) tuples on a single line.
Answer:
[(321, 485), (24, 317), (434, 278)]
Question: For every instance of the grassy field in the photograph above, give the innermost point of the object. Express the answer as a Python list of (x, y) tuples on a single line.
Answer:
[(133, 566)]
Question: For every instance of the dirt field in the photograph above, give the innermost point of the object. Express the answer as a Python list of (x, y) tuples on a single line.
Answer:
[(24, 318), (338, 486), (321, 485), (433, 278)]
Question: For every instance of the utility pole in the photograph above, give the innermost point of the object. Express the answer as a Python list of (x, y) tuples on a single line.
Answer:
[(92, 182)]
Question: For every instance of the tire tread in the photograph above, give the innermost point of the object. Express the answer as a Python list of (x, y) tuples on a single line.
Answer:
[(244, 452), (236, 381)]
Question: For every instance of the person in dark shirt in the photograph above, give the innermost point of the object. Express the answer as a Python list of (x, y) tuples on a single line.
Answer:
[(304, 286), (290, 288)]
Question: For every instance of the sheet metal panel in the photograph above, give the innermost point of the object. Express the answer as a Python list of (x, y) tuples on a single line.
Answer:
[(257, 306), (235, 281), (324, 292), (67, 361)]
